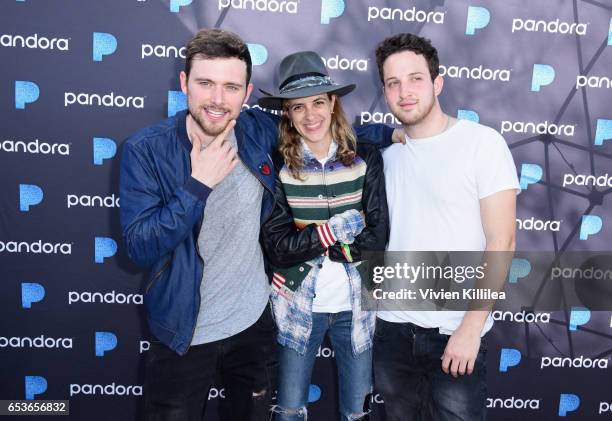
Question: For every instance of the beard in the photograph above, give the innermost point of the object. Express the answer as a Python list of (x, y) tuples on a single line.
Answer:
[(209, 128), (419, 116)]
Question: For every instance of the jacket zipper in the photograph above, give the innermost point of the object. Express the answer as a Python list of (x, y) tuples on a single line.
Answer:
[(157, 275), (199, 297), (197, 247)]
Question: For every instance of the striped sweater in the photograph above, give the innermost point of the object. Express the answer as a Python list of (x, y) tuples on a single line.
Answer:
[(325, 190)]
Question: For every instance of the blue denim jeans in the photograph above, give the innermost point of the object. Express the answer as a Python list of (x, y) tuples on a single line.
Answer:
[(354, 372), (408, 374)]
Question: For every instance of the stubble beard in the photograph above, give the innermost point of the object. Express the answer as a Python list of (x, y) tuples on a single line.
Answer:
[(208, 128), (407, 121)]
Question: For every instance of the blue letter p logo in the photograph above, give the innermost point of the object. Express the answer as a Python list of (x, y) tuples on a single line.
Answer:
[(543, 75), (103, 45), (568, 402), (508, 357), (105, 341), (259, 54), (468, 115), (34, 385), (175, 5), (104, 247), (579, 316), (177, 101), (477, 18), (314, 393), (519, 269), (331, 9), (31, 293), (29, 195), (603, 131), (530, 174), (25, 93), (103, 148), (591, 225)]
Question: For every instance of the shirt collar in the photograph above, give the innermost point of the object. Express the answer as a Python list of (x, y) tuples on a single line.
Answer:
[(309, 155)]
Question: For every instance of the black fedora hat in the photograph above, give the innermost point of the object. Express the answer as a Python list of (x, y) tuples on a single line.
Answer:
[(302, 74)]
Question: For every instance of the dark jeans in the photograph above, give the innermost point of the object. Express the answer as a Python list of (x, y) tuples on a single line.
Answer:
[(176, 387), (408, 373)]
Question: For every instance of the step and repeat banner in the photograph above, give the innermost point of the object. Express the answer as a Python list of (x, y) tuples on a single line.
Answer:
[(78, 77)]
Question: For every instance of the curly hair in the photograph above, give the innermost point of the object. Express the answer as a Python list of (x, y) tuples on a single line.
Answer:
[(408, 42), (290, 145)]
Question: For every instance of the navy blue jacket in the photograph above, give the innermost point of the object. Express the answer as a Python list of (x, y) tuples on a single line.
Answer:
[(162, 208)]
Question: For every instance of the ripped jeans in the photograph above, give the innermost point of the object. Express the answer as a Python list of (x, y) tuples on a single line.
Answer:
[(243, 366), (354, 373)]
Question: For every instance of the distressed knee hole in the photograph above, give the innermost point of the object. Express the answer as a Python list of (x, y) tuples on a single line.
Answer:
[(260, 395), (365, 415), (300, 412)]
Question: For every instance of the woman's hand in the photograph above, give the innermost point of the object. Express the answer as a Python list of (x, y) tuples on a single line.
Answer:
[(347, 225)]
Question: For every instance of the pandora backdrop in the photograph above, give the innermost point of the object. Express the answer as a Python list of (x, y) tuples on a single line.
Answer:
[(78, 77)]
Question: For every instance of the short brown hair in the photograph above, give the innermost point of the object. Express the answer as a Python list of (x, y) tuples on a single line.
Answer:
[(217, 43), (408, 42)]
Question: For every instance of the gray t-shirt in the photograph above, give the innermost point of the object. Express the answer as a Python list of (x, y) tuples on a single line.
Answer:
[(234, 289)]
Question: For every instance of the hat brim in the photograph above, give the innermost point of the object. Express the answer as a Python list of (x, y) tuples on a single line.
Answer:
[(275, 102)]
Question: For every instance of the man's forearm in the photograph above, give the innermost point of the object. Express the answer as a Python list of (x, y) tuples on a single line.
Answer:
[(498, 257)]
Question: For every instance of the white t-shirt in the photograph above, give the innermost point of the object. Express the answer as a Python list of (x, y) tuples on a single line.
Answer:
[(433, 189), (332, 288)]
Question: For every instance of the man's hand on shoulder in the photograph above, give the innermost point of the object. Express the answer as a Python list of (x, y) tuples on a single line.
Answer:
[(399, 136)]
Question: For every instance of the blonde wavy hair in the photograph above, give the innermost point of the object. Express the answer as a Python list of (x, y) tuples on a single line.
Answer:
[(290, 145)]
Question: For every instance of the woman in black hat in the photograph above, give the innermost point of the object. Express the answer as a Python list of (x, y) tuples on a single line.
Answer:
[(330, 206)]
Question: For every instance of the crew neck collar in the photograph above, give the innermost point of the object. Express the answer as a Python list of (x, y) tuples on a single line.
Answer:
[(432, 139)]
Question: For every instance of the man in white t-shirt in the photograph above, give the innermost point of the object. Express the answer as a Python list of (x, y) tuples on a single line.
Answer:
[(451, 187)]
